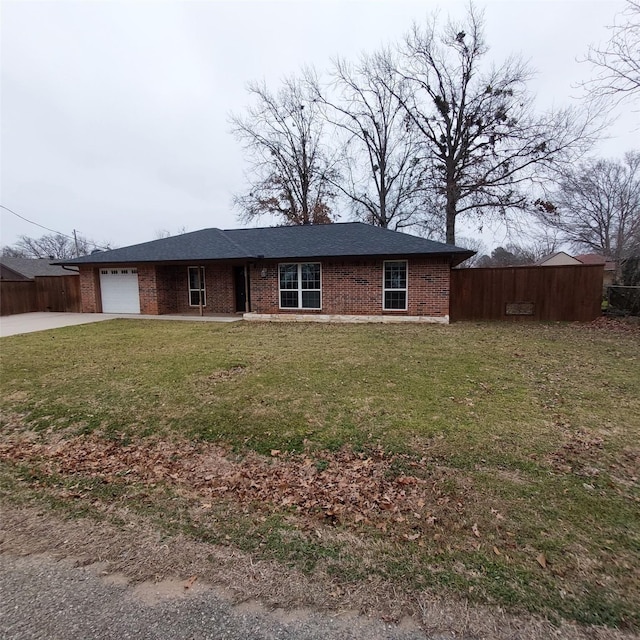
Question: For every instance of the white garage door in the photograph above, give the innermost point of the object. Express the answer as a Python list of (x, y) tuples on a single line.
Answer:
[(119, 289)]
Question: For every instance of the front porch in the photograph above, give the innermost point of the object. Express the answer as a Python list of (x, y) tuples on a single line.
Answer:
[(198, 289)]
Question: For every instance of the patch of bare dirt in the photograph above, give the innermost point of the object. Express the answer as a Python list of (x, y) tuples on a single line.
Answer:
[(152, 592), (162, 566), (226, 374)]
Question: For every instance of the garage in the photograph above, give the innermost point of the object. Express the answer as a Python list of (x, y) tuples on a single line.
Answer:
[(119, 288)]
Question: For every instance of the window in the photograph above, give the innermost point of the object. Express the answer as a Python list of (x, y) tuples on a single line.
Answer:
[(300, 285), (196, 287), (395, 286)]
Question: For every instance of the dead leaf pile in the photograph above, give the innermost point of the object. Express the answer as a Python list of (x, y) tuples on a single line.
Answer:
[(629, 325), (339, 486), (574, 455)]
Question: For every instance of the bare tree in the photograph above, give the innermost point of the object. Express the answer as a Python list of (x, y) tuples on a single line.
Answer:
[(511, 255), (381, 157), (483, 142), (160, 234), (474, 244), (617, 64), (9, 251), (597, 207), (290, 173), (52, 245), (545, 241)]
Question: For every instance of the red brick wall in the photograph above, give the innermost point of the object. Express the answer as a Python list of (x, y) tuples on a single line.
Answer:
[(429, 286), (167, 282), (91, 302), (172, 285), (147, 290), (349, 287), (354, 287)]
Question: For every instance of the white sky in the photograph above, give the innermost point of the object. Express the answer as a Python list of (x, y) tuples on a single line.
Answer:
[(115, 114)]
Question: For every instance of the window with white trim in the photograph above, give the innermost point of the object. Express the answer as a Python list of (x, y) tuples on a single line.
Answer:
[(197, 287), (394, 285), (300, 285)]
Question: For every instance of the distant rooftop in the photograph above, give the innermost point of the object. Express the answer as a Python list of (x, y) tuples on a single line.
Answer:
[(31, 267), (596, 258)]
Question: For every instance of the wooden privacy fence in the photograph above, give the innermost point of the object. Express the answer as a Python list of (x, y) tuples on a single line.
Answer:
[(43, 293), (568, 293)]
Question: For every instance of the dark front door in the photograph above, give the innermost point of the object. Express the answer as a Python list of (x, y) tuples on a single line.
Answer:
[(240, 279)]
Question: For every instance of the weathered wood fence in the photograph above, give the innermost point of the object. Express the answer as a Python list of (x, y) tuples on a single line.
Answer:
[(569, 293), (43, 293)]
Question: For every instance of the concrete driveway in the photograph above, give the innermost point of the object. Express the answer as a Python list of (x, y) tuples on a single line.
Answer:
[(30, 322)]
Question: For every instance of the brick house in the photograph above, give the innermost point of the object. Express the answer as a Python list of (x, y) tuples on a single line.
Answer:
[(343, 271)]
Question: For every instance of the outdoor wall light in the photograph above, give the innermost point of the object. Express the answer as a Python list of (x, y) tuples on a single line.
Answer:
[(263, 273)]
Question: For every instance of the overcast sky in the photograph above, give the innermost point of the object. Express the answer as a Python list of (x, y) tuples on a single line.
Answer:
[(115, 114)]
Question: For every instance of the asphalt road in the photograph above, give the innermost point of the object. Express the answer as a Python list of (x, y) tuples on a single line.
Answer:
[(42, 598)]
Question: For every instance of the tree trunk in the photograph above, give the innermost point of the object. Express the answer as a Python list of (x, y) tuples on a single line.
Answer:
[(452, 203)]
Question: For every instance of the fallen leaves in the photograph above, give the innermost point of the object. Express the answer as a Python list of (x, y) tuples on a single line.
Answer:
[(577, 452), (342, 486), (628, 325)]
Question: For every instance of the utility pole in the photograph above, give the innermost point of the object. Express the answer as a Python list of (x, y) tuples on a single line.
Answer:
[(75, 239)]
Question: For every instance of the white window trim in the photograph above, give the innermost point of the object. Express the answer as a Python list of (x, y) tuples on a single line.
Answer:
[(299, 290), (384, 289), (203, 283)]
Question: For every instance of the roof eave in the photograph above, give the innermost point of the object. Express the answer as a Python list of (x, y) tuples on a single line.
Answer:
[(455, 258)]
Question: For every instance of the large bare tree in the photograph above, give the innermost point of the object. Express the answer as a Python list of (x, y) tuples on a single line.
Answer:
[(484, 143), (597, 207), (380, 168), (290, 174), (51, 245), (616, 65)]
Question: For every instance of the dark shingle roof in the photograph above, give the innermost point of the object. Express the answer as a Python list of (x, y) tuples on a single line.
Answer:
[(314, 241), (31, 267), (207, 244)]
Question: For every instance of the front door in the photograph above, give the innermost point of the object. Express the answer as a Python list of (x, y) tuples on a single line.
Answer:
[(240, 279)]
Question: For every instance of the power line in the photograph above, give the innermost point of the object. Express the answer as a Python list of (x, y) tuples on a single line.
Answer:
[(52, 230), (37, 224)]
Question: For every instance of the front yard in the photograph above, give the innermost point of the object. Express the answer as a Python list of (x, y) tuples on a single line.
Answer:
[(494, 463)]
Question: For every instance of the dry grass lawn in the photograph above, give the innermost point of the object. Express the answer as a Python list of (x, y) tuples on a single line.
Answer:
[(498, 464)]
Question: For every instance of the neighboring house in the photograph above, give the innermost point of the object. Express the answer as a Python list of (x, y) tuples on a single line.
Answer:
[(20, 269), (33, 284), (557, 259), (345, 271), (609, 277)]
